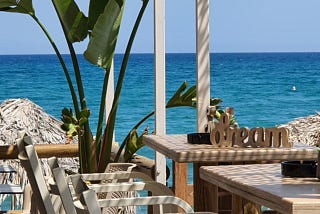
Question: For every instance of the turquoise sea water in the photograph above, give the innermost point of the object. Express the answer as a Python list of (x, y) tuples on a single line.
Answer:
[(257, 85)]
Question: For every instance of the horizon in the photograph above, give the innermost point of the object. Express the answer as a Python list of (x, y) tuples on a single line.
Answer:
[(279, 52)]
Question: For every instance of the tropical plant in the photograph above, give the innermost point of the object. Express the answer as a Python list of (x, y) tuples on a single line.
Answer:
[(101, 25)]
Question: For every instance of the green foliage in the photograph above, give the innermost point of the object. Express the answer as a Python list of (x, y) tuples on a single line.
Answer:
[(105, 32), (183, 99), (218, 114), (74, 22), (133, 143), (22, 6), (71, 124)]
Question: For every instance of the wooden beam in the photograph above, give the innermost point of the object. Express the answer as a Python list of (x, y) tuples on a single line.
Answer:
[(43, 151)]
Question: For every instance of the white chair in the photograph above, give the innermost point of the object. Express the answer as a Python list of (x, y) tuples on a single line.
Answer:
[(88, 202), (41, 199), (49, 203)]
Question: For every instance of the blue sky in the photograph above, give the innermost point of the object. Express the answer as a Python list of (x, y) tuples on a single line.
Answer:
[(235, 26)]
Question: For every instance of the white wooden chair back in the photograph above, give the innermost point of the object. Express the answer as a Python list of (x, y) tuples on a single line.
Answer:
[(30, 162), (64, 191)]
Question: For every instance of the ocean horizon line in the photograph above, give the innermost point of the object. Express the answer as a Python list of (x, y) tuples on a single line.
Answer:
[(168, 53)]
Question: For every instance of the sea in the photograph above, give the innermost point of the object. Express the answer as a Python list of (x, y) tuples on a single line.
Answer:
[(264, 89)]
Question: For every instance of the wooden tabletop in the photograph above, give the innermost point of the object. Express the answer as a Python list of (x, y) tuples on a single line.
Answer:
[(178, 149), (264, 184)]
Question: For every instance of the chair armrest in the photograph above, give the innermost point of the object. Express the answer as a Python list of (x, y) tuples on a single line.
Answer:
[(94, 205), (154, 187), (116, 175)]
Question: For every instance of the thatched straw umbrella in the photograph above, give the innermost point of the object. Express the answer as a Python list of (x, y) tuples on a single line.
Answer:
[(305, 130), (23, 115)]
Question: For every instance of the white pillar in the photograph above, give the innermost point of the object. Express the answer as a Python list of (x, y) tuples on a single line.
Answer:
[(159, 69), (110, 94), (203, 62)]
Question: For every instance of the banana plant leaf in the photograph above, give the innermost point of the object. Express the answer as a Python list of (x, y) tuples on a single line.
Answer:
[(133, 144), (96, 8), (104, 35), (183, 99), (22, 6), (75, 23)]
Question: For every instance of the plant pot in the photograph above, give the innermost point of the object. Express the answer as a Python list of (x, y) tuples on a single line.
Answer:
[(300, 169)]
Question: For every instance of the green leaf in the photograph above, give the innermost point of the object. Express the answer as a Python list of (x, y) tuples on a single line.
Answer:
[(82, 121), (85, 113), (66, 119), (67, 112), (133, 144), (183, 99), (215, 101), (70, 128), (22, 6), (74, 21), (72, 131), (104, 35), (96, 8)]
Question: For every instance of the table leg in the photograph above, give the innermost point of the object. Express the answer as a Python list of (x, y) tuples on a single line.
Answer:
[(180, 179), (205, 194), (236, 204)]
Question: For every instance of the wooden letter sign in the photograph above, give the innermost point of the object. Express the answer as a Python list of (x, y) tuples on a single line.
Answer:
[(224, 135)]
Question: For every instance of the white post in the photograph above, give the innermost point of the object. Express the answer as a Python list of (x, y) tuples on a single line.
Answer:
[(203, 62), (110, 94), (159, 69), (203, 191)]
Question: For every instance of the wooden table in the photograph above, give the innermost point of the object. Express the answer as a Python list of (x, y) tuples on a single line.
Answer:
[(9, 188), (264, 184), (176, 148)]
